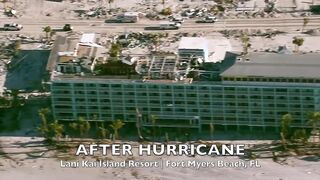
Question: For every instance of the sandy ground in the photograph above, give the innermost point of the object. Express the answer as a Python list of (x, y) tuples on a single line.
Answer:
[(40, 9), (262, 44), (20, 166), (259, 44)]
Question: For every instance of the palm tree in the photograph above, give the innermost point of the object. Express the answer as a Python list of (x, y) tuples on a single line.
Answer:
[(115, 51), (43, 128), (314, 120), (305, 22), (48, 31), (57, 129), (83, 126), (211, 130), (16, 48), (167, 136), (297, 42), (103, 131), (163, 2), (74, 127), (156, 41), (285, 129), (299, 135), (286, 125), (116, 126), (110, 2), (15, 94), (153, 120), (52, 33), (138, 123), (245, 40)]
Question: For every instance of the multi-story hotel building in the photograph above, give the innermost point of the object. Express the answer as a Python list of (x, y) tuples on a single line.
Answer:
[(257, 90)]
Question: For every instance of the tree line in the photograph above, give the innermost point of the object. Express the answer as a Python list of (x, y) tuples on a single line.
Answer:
[(55, 130)]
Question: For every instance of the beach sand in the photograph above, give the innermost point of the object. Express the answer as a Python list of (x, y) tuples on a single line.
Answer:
[(20, 166)]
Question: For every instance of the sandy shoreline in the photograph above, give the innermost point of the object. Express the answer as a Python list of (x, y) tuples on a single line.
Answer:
[(18, 165)]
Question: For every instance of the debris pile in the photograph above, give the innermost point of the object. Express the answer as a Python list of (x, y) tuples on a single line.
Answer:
[(268, 33)]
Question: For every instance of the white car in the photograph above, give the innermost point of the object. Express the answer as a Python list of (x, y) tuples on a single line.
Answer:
[(12, 27)]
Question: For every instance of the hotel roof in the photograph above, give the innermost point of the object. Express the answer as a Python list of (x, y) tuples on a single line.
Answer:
[(193, 43), (276, 65), (88, 38)]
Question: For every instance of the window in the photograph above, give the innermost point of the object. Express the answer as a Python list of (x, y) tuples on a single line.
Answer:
[(154, 102), (105, 108), (105, 100), (130, 101), (178, 88), (165, 87), (205, 103), (256, 112), (179, 95), (190, 88), (93, 107), (242, 97), (61, 84), (180, 110), (204, 88), (269, 97), (78, 85), (205, 111), (62, 106), (80, 99), (168, 109), (178, 102), (130, 108), (229, 88), (63, 99), (255, 97), (130, 93), (191, 102), (115, 85), (127, 86), (281, 90), (104, 93), (230, 96), (155, 109), (92, 100), (205, 95), (92, 92), (91, 85)]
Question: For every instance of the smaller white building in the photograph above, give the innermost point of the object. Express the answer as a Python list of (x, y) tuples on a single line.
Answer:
[(209, 49), (196, 47)]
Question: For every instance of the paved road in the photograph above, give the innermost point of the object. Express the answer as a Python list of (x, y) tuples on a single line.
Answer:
[(99, 26)]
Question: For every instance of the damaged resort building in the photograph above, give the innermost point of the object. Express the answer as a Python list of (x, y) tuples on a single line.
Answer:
[(203, 83)]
